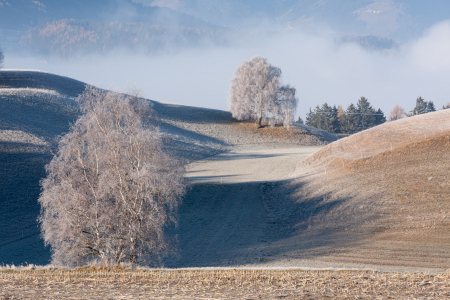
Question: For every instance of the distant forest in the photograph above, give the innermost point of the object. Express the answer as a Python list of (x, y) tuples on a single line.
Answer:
[(335, 120), (360, 116)]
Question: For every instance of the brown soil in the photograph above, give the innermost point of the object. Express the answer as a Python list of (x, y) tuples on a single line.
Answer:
[(414, 181), (221, 284), (391, 208)]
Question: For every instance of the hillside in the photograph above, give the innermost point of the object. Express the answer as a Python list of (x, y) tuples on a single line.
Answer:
[(22, 14), (379, 197), (257, 197), (38, 107)]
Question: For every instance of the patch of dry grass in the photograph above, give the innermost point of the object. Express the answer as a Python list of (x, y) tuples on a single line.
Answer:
[(303, 135), (384, 194), (92, 283), (386, 137)]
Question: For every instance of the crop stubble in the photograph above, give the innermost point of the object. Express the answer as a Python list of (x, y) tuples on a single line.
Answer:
[(93, 283)]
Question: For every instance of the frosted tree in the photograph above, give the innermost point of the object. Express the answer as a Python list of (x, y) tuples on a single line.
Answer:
[(397, 113), (256, 93), (110, 189), (341, 113)]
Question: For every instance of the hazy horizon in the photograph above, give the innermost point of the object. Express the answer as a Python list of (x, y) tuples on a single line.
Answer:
[(313, 59)]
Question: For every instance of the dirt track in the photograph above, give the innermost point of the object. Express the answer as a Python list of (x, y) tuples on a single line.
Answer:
[(223, 220)]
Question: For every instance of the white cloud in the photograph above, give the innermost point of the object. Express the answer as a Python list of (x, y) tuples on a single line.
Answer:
[(432, 52)]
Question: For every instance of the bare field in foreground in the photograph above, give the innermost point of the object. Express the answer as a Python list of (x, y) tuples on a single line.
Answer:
[(220, 284)]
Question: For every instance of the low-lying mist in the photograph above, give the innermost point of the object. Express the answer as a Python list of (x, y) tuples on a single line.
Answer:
[(319, 65)]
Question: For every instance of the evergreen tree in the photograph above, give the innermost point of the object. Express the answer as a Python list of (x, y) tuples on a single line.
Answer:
[(325, 118), (313, 117), (430, 106), (379, 117), (421, 107), (300, 120), (333, 120), (336, 120), (325, 122), (349, 122), (366, 117)]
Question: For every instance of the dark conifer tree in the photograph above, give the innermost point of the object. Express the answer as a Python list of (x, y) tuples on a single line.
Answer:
[(430, 106), (420, 108), (379, 117), (366, 114), (349, 122), (312, 118)]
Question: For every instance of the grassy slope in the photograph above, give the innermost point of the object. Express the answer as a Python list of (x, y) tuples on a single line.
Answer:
[(390, 207), (36, 108)]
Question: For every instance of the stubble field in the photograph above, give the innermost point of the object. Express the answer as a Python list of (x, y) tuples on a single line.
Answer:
[(92, 283)]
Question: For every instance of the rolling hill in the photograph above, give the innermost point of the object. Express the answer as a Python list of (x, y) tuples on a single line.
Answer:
[(268, 197), (379, 197), (38, 107)]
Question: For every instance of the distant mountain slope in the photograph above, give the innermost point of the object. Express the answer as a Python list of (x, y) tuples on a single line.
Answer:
[(387, 18), (66, 28), (52, 27), (23, 14)]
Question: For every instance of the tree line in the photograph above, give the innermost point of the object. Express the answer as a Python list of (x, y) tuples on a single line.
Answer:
[(422, 107), (335, 120), (360, 116)]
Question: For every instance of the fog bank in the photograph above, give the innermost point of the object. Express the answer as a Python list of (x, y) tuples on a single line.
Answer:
[(320, 67)]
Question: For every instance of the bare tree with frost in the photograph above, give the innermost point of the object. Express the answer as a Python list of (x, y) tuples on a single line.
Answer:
[(110, 189), (256, 93), (397, 113)]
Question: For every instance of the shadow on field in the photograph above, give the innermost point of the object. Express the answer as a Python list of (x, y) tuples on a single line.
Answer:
[(191, 114), (20, 174), (251, 223), (169, 128), (46, 117)]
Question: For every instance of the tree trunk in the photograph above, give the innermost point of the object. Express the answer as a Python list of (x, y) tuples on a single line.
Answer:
[(258, 122)]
